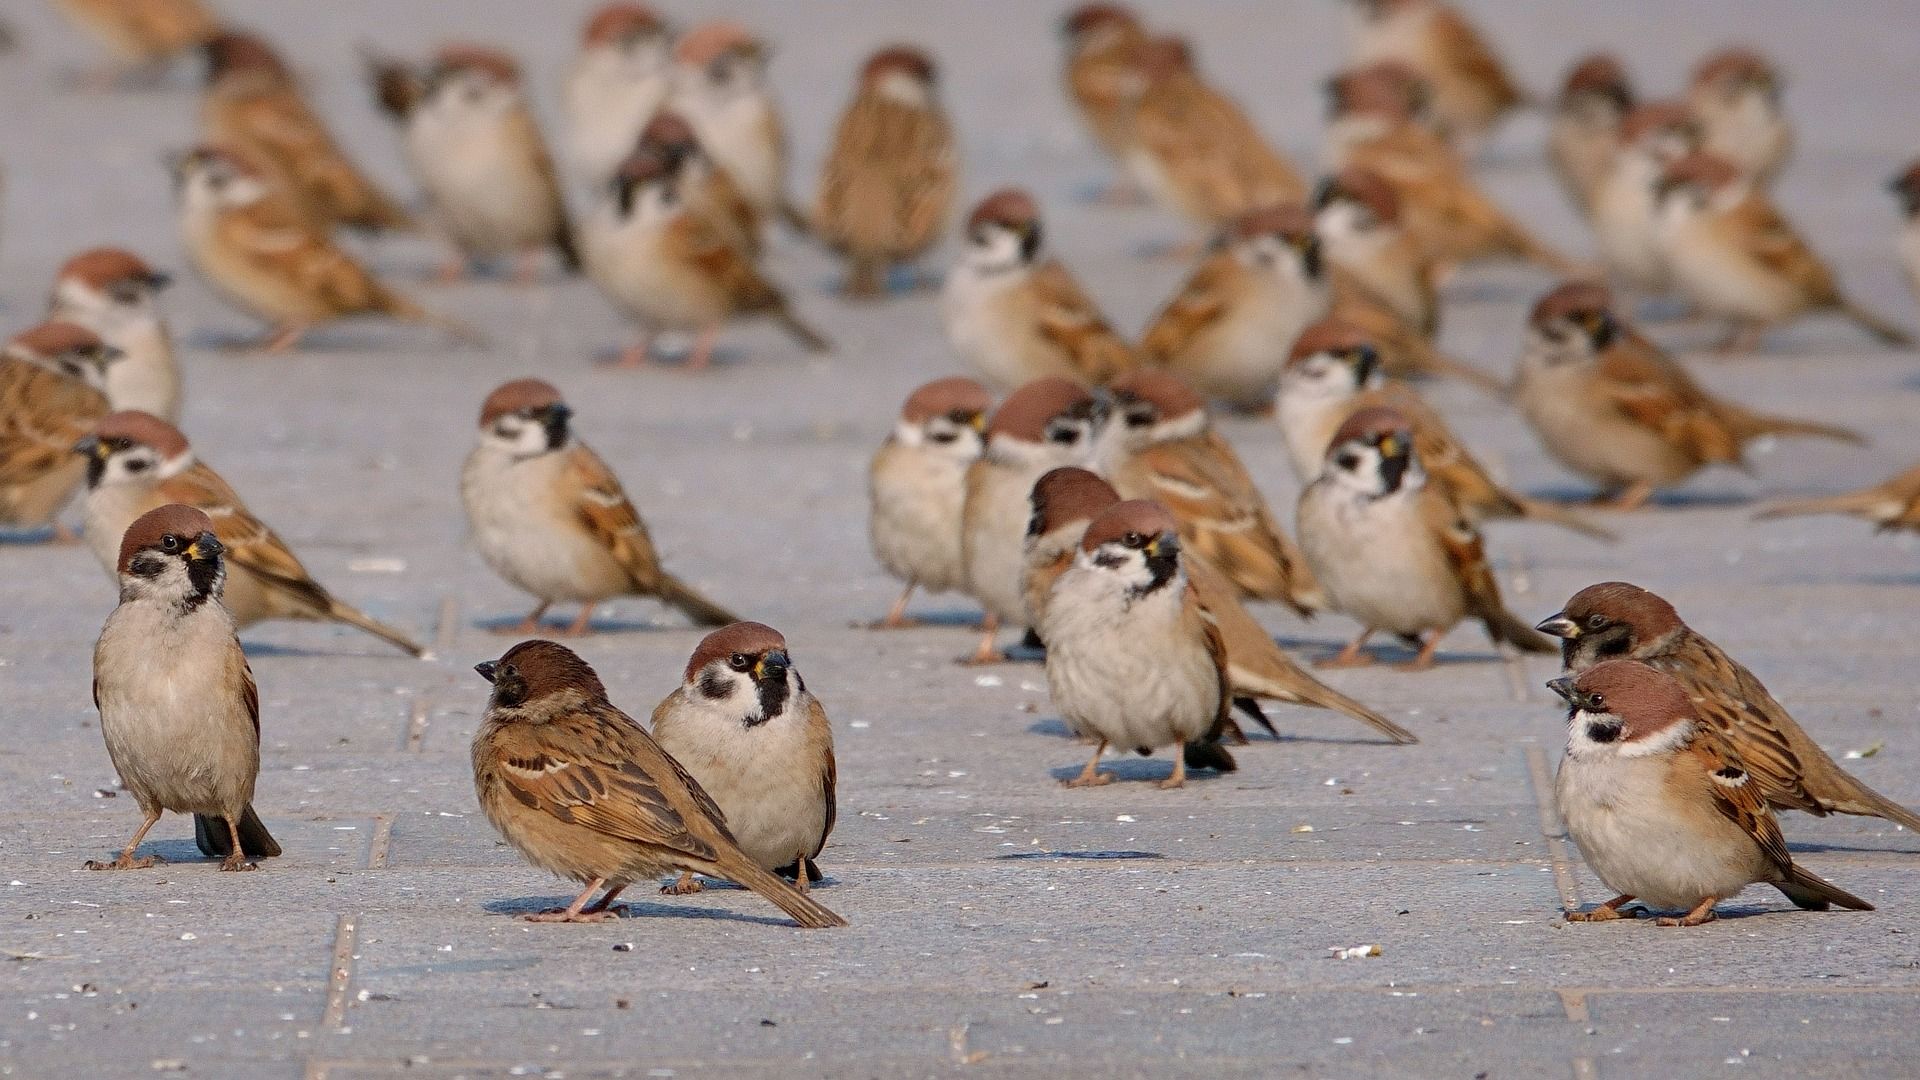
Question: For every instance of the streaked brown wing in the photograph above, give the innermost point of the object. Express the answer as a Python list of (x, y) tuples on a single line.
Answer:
[(609, 516)]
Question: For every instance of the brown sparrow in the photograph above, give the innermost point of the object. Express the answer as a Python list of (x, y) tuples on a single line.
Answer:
[(1471, 90), (709, 189), (472, 144), (1610, 406), (582, 791), (1614, 620), (1103, 78), (745, 727), (616, 84), (1227, 330), (551, 518), (1392, 552), (1357, 218), (1405, 351), (1663, 810), (1892, 505), (1584, 134), (886, 189), (1015, 316), (142, 34), (720, 86), (1907, 187), (1161, 446), (1735, 256), (111, 292), (917, 486), (178, 708), (1736, 95), (1132, 661), (137, 463), (253, 105), (1625, 213), (52, 391), (261, 253)]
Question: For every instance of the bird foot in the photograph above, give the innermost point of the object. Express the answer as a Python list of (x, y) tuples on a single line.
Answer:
[(125, 862), (237, 862), (1694, 918), (1343, 660), (1601, 914), (562, 915), (1098, 779), (1172, 782), (684, 885)]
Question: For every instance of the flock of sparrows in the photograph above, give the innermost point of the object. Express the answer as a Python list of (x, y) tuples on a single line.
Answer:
[(1095, 504)]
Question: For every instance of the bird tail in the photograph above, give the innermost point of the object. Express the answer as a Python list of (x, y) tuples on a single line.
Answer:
[(1319, 695), (340, 612), (210, 835), (1555, 514), (812, 340), (567, 247), (402, 308), (1853, 502), (1748, 425), (1249, 707), (671, 590), (1431, 361), (736, 868), (1815, 893), (1504, 626), (1859, 799), (795, 218), (1207, 753), (1883, 330)]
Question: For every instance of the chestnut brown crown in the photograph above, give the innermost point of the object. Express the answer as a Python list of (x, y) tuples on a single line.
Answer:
[(1575, 298), (1646, 700), (907, 60), (1068, 494), (105, 266), (735, 639), (152, 529), (1133, 518), (141, 429), (954, 396), (708, 42), (1373, 425), (1027, 411), (1167, 393), (1008, 207), (518, 396), (1333, 336), (536, 669), (622, 23)]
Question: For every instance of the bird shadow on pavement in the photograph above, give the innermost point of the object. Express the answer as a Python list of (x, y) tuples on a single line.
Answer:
[(634, 909), (953, 617), (1131, 769), (258, 649), (328, 340), (1581, 498), (508, 626), (1864, 847), (670, 359)]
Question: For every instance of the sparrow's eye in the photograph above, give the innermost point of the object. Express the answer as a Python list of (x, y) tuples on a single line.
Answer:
[(1596, 701), (1348, 461), (739, 661), (169, 543), (1596, 622), (134, 465), (1064, 434), (1134, 540)]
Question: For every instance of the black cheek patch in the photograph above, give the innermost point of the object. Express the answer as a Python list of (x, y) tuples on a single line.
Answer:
[(1602, 733), (715, 686), (147, 564)]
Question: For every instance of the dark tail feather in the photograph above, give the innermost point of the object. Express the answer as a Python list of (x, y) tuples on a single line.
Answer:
[(1207, 753), (353, 617), (566, 248), (1553, 514), (1250, 708), (210, 835), (1883, 331), (795, 218), (671, 590), (795, 903), (791, 871), (1504, 626), (807, 336), (1761, 424), (1815, 893)]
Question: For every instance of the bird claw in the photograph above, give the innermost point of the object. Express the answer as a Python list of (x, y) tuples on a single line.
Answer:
[(237, 862), (562, 915), (684, 885), (125, 862), (1098, 779)]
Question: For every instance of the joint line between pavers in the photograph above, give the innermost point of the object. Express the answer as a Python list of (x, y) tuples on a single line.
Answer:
[(416, 734), (1550, 826), (448, 627), (340, 974), (381, 842), (1583, 1069)]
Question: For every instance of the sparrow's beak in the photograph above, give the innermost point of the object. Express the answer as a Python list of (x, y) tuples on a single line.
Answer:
[(979, 421), (157, 280), (1559, 626), (110, 353), (1391, 447), (205, 548), (772, 667), (486, 668), (1562, 686), (91, 446), (1166, 545)]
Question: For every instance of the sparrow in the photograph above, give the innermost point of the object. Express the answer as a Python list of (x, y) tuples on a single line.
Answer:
[(1663, 810), (472, 144), (1609, 405), (142, 34), (551, 518), (582, 791), (1356, 215), (1406, 352), (1624, 213), (667, 264), (1131, 659), (178, 707), (1227, 330), (1392, 552), (1614, 620), (1015, 316), (1161, 446), (618, 81), (916, 488), (137, 463), (1066, 500), (112, 292), (1045, 424), (1334, 372), (1471, 90), (709, 190), (1736, 95), (1892, 505), (1102, 72), (1907, 187), (1735, 256), (719, 84), (886, 189), (258, 249), (52, 391), (253, 104), (1584, 134), (743, 725)]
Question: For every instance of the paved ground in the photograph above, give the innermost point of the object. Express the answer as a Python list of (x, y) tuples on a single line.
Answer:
[(1001, 925)]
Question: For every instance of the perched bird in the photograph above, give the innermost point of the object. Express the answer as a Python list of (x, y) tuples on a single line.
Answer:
[(472, 143), (1736, 95), (618, 81), (720, 86), (112, 292), (709, 190), (1663, 810), (1132, 661), (178, 708), (1471, 90), (1226, 331), (582, 791), (143, 35), (917, 486), (254, 105), (1736, 257), (1356, 215), (1892, 505), (1615, 620), (551, 518), (53, 381), (1103, 79), (1392, 552), (1907, 187), (137, 463), (886, 189), (1609, 405), (1584, 134), (1015, 316), (260, 252), (745, 727), (1624, 213), (1161, 446), (1045, 424)]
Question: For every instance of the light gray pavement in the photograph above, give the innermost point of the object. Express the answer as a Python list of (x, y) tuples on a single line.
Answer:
[(1002, 926)]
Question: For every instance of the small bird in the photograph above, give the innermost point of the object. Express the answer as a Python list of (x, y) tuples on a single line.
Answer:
[(886, 189), (1614, 620), (1357, 218), (917, 487), (744, 726), (1663, 810), (720, 86), (178, 707), (582, 791), (260, 251), (1226, 331), (472, 143), (1890, 506), (618, 81), (112, 292), (1391, 551), (1584, 134), (551, 518), (254, 105), (137, 463), (1015, 316), (1736, 95), (1161, 446), (1608, 404), (1132, 661), (1907, 187), (1102, 76), (1625, 210), (709, 190), (1471, 90), (1048, 423), (1735, 256), (143, 35), (53, 381)]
